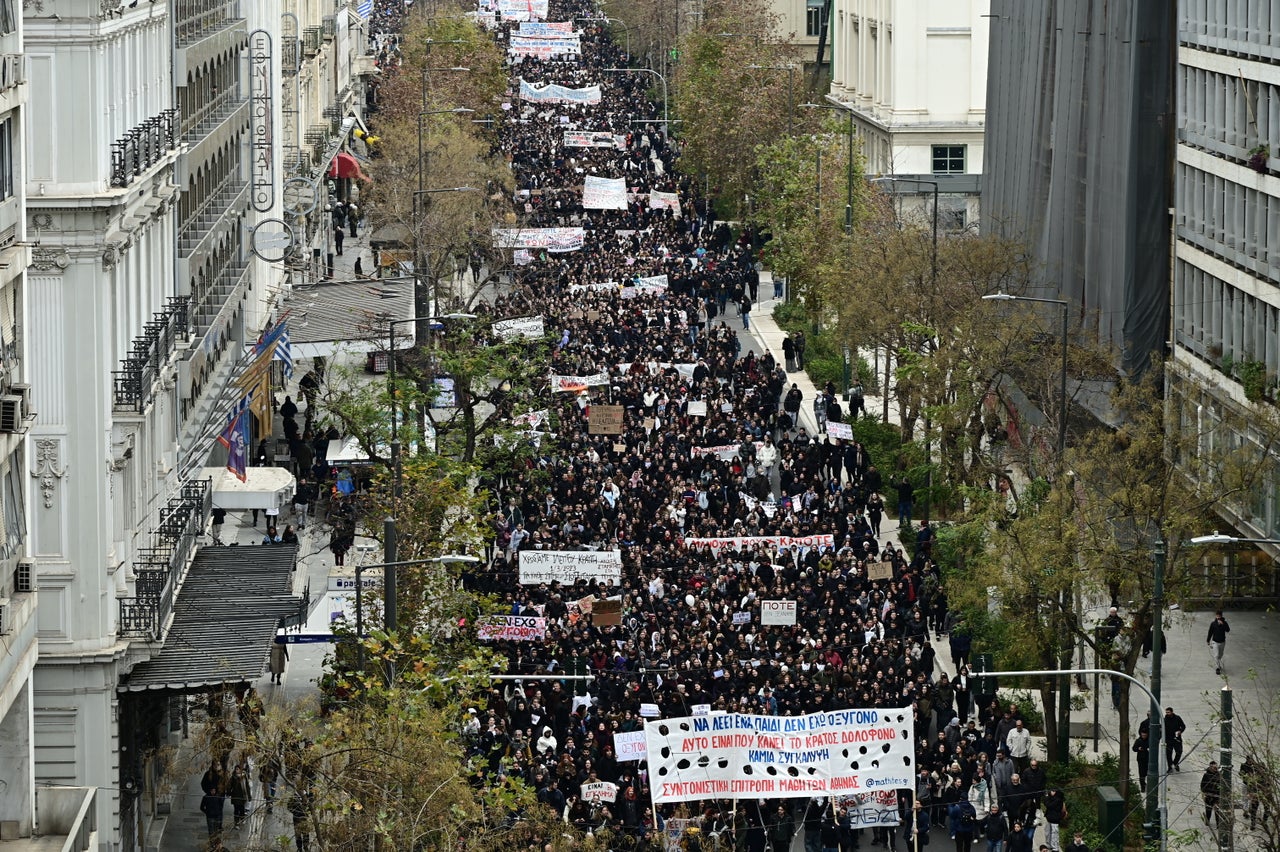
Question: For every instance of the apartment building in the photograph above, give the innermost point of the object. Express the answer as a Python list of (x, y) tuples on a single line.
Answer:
[(915, 77), (1226, 247)]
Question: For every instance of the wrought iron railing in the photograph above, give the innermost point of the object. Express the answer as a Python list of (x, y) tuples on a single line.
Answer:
[(196, 19), (311, 41), (135, 379), (143, 147), (157, 568)]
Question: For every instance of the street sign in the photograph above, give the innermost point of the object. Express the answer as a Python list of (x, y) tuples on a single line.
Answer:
[(271, 240)]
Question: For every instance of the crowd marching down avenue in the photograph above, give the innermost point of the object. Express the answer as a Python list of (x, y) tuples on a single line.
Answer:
[(750, 557)]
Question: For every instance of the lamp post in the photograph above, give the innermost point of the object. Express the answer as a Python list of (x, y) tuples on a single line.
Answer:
[(1157, 815), (848, 190), (1064, 684), (1227, 811), (666, 117)]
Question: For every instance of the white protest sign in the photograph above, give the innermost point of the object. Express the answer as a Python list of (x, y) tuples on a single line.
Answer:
[(629, 746), (840, 430), (570, 566), (649, 711), (554, 93), (697, 408), (742, 618), (594, 139), (519, 628), (875, 807), (660, 200), (702, 709), (600, 791), (601, 193), (724, 452), (551, 239), (819, 754), (778, 612), (528, 328), (573, 384)]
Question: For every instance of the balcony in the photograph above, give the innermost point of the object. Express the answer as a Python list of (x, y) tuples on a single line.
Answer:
[(220, 298), (311, 39), (136, 378), (173, 541), (68, 822), (143, 147), (216, 214), (209, 115)]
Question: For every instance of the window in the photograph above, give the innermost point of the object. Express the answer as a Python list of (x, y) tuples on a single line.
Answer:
[(6, 158), (7, 22), (813, 18), (948, 159)]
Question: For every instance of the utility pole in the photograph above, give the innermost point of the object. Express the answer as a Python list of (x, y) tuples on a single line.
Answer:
[(1157, 651), (1226, 802)]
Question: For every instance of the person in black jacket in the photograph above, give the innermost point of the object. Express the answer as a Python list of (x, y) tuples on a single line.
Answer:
[(1173, 728), (1211, 790), (1217, 639)]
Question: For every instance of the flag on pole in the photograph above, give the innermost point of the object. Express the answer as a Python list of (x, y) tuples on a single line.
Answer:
[(236, 439), (278, 334), (256, 383)]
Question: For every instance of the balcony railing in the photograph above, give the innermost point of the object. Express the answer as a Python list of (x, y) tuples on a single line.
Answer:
[(212, 211), (135, 380), (329, 27), (209, 115), (311, 41), (197, 19), (143, 147), (158, 567)]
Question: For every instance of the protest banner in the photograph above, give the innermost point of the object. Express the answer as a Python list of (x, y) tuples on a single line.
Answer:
[(880, 571), (843, 431), (605, 420), (629, 745), (701, 709), (697, 408), (660, 200), (519, 628), (673, 833), (594, 139), (585, 604), (600, 791), (546, 29), (649, 711), (872, 808), (724, 452), (738, 542), (532, 419), (522, 10), (653, 282), (819, 754), (570, 566), (554, 93), (543, 48), (778, 612), (527, 328), (601, 193), (742, 618), (573, 384), (551, 239)]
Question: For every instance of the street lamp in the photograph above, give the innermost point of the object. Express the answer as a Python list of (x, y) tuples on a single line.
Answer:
[(665, 114), (848, 193), (1064, 685)]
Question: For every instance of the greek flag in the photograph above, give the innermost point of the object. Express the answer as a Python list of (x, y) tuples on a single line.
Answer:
[(278, 334), (365, 9), (235, 437)]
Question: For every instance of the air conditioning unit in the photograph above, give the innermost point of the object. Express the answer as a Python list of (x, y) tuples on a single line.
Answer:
[(24, 576), (23, 390), (12, 414)]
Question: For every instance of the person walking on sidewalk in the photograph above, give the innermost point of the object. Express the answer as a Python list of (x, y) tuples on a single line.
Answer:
[(1217, 639), (353, 217), (1173, 728), (799, 344), (279, 656), (338, 236), (789, 352), (1211, 790), (744, 307)]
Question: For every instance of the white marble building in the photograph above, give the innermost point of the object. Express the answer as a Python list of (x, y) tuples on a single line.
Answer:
[(915, 76)]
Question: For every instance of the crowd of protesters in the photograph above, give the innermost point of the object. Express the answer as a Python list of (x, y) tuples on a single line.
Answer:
[(745, 468)]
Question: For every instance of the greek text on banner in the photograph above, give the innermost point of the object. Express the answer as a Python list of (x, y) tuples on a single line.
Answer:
[(739, 541), (820, 754), (570, 566), (519, 628)]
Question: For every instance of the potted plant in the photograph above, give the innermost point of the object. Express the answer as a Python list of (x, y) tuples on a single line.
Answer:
[(1258, 156)]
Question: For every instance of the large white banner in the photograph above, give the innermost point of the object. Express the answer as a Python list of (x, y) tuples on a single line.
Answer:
[(551, 239), (554, 93), (529, 328), (770, 757), (737, 542), (517, 10), (544, 29), (600, 193), (570, 566), (629, 745), (777, 612), (660, 200), (543, 48), (594, 139), (843, 431), (724, 452), (573, 384), (519, 628)]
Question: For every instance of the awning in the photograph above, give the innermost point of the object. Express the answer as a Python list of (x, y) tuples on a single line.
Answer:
[(345, 166), (224, 620), (348, 316), (263, 488)]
